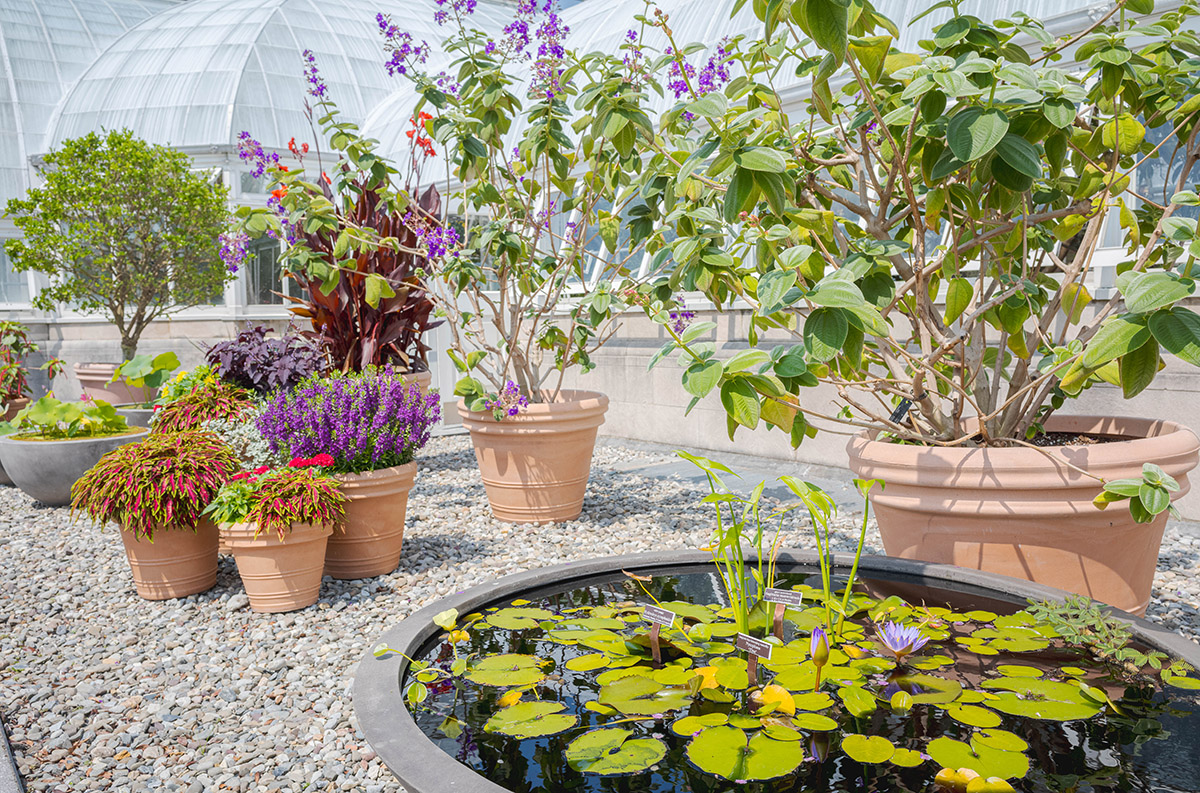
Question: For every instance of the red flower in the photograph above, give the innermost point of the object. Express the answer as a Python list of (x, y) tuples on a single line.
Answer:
[(262, 469), (280, 193), (322, 459), (325, 176), (242, 475), (300, 462)]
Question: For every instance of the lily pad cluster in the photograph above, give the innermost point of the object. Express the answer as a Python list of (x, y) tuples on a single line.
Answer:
[(892, 663)]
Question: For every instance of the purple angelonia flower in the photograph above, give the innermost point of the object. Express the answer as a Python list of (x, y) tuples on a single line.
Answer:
[(900, 640)]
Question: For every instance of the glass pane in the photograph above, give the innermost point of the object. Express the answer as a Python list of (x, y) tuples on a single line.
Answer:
[(263, 282), (13, 286)]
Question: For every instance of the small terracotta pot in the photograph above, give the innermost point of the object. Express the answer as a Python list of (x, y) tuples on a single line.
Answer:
[(179, 562), (1020, 513), (94, 377), (535, 465), (12, 407), (376, 502), (422, 379), (278, 574)]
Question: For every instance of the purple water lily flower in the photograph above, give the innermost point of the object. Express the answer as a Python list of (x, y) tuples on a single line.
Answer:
[(901, 640), (818, 649)]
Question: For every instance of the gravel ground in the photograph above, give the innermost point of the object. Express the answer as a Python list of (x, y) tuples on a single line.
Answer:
[(101, 690)]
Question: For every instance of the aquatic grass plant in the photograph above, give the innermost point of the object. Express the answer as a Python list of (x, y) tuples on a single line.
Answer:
[(161, 483)]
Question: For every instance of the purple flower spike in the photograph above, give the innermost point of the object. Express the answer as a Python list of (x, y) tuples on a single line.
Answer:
[(901, 640)]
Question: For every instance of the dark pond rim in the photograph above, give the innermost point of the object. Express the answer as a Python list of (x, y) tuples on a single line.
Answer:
[(422, 767)]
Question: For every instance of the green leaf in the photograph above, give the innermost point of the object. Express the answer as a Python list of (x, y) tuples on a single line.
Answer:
[(740, 401), (868, 749), (984, 760), (1020, 154), (974, 132), (701, 378), (610, 751), (1138, 368), (1075, 298), (506, 670), (825, 332), (1178, 330), (1145, 292), (1155, 500), (827, 22), (761, 159), (772, 288), (741, 187), (531, 720), (958, 297), (446, 619), (1059, 112), (871, 54), (837, 293), (725, 752), (712, 105), (973, 715), (610, 232), (858, 701), (377, 288), (516, 618), (1116, 337)]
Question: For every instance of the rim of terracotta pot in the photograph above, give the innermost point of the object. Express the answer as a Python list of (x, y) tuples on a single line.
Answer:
[(572, 404), (422, 766), (367, 478), (242, 535), (1150, 440)]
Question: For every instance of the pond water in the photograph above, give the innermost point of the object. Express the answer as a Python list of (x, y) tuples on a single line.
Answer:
[(964, 700)]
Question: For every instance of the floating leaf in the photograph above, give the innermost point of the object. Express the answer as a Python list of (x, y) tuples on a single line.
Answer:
[(508, 669), (813, 700), (515, 619), (983, 760), (744, 722), (1044, 699), (814, 722), (931, 662), (930, 689), (779, 730), (531, 720), (587, 663), (1018, 670), (907, 758), (612, 751), (857, 700), (690, 725), (446, 619), (1000, 739), (777, 698), (732, 673), (641, 696), (973, 715), (510, 698), (868, 749)]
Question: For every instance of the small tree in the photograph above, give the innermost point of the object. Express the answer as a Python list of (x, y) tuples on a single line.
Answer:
[(122, 227)]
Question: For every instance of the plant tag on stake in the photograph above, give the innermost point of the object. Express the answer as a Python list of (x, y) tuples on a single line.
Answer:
[(901, 411), (658, 617), (755, 649), (782, 598)]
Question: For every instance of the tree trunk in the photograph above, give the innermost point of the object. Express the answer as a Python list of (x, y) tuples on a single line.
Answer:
[(128, 347)]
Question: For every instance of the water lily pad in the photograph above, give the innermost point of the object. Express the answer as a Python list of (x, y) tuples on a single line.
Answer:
[(612, 751), (1000, 739), (1042, 699), (1018, 670), (930, 689), (973, 715), (857, 700), (690, 725), (508, 669), (906, 758), (596, 707), (779, 730), (613, 675), (726, 752), (1073, 671), (984, 760), (812, 700), (531, 720), (690, 611), (804, 676), (515, 619), (675, 675), (732, 673), (814, 722), (980, 616), (744, 722), (868, 749), (642, 696), (588, 663), (591, 624), (774, 698)]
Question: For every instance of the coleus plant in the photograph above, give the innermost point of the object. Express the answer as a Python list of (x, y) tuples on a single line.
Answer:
[(924, 229), (162, 483), (209, 399), (15, 347), (350, 249), (275, 499)]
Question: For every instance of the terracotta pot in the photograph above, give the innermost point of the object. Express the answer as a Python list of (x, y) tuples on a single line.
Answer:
[(12, 407), (376, 502), (94, 377), (1017, 512), (535, 466), (179, 562), (422, 379), (278, 574)]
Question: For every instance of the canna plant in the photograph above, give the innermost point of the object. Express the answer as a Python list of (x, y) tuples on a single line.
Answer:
[(160, 484), (920, 235)]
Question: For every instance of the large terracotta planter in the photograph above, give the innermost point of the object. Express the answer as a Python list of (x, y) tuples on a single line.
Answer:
[(94, 377), (12, 407), (1020, 513), (376, 502), (180, 562), (422, 379), (278, 574), (535, 466), (46, 470)]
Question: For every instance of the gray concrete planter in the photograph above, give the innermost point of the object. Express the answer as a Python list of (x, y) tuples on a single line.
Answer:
[(422, 767), (46, 470), (135, 415)]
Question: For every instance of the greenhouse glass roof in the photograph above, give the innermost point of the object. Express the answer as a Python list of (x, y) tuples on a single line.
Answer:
[(44, 46)]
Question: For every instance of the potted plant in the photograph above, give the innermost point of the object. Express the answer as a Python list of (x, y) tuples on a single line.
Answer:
[(143, 376), (15, 347), (156, 491), (918, 238), (276, 523), (201, 397), (262, 365), (372, 424), (348, 248), (115, 266), (55, 442), (534, 284)]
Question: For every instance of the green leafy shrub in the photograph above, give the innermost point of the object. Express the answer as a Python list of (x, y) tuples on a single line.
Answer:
[(207, 401), (161, 483), (147, 371), (52, 419)]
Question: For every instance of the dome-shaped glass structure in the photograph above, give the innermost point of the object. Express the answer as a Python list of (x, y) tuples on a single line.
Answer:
[(44, 46), (200, 73)]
